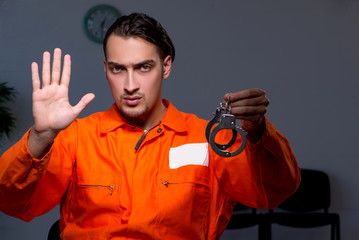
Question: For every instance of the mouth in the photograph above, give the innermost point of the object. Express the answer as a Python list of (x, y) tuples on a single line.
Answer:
[(132, 100)]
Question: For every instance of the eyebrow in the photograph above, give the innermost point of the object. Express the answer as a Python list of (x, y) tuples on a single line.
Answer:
[(135, 65)]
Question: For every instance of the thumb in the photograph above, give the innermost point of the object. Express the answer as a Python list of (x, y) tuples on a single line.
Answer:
[(82, 104)]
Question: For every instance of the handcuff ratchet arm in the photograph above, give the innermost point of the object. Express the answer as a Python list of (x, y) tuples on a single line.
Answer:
[(216, 119), (225, 120), (228, 121)]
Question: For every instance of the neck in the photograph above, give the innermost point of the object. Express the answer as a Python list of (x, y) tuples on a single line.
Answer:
[(151, 119), (154, 118)]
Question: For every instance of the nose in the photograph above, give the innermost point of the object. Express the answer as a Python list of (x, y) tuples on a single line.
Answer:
[(131, 84)]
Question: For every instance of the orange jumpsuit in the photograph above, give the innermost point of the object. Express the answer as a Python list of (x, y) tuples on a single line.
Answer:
[(114, 181)]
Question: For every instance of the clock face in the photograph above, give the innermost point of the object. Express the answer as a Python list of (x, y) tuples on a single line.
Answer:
[(97, 21)]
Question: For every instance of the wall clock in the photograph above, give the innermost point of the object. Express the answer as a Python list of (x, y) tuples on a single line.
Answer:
[(98, 19)]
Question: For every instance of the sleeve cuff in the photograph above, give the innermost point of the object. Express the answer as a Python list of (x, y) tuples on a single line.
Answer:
[(25, 156)]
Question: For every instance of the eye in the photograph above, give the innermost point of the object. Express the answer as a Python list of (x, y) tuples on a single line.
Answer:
[(145, 68), (116, 69)]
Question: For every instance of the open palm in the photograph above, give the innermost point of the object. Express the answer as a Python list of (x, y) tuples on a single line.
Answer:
[(51, 108)]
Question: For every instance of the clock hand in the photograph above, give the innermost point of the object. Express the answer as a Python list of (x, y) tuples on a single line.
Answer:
[(102, 27)]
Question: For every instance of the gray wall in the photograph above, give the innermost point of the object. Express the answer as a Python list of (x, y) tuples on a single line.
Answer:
[(304, 53)]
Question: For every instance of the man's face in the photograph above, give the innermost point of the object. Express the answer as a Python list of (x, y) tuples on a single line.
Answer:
[(135, 72)]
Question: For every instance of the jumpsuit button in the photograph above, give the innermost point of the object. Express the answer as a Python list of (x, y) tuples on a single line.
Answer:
[(159, 130)]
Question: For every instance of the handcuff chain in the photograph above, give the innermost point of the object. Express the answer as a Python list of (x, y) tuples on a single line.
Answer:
[(226, 105)]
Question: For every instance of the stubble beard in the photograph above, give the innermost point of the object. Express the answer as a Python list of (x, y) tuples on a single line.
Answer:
[(135, 114)]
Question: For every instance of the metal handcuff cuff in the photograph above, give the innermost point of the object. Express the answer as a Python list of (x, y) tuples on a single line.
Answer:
[(225, 120)]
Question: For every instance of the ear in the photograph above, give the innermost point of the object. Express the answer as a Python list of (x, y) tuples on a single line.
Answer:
[(105, 67), (167, 64)]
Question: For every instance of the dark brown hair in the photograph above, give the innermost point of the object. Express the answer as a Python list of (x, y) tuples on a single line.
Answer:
[(145, 27)]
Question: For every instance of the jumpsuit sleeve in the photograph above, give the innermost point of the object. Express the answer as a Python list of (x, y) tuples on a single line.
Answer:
[(263, 175), (30, 187)]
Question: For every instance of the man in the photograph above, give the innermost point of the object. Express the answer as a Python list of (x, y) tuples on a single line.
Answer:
[(142, 169)]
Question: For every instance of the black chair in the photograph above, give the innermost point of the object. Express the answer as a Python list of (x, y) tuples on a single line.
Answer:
[(240, 219), (54, 232), (308, 206)]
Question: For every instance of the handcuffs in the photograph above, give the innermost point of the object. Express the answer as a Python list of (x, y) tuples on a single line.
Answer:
[(224, 120)]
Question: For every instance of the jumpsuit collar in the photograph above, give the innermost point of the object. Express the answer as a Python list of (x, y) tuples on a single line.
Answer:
[(173, 119)]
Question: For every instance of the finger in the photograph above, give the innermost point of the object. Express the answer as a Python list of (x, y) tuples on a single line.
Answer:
[(56, 66), (256, 101), (66, 71), (45, 69), (35, 77), (252, 117), (244, 94), (82, 104), (248, 111)]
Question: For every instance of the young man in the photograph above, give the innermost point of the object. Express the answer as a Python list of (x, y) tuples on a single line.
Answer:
[(142, 169)]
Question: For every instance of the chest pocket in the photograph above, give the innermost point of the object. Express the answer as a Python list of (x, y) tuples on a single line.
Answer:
[(184, 195), (93, 198), (188, 154)]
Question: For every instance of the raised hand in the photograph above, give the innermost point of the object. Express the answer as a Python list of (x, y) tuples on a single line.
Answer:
[(52, 110)]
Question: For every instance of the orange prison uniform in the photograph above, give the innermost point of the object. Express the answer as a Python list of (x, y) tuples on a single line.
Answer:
[(112, 181)]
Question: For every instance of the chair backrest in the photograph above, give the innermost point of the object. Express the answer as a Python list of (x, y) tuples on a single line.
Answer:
[(54, 232), (240, 207), (312, 194)]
